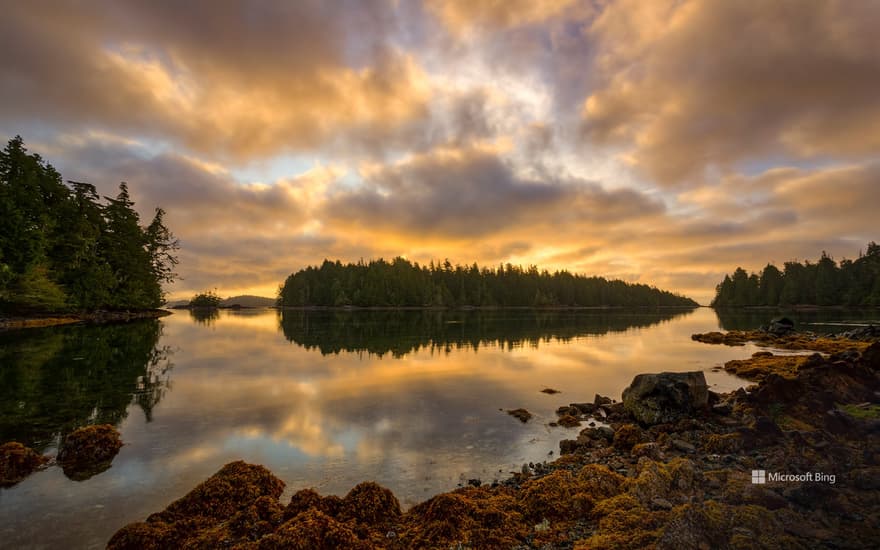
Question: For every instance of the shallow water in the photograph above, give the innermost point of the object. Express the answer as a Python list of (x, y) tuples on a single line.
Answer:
[(324, 399)]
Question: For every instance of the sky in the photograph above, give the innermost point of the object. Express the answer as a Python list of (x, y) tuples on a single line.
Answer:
[(661, 142)]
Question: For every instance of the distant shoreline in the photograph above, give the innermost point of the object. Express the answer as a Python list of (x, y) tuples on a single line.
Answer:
[(473, 308), (92, 317)]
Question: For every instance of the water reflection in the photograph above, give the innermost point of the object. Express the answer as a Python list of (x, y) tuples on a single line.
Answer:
[(205, 316), (820, 321), (55, 380), (398, 332), (322, 399)]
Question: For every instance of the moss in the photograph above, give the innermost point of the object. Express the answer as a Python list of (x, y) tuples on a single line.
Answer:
[(623, 523), (626, 436), (371, 504), (558, 496), (722, 443), (599, 482), (17, 462), (520, 414), (758, 368), (675, 481), (313, 530), (794, 341), (864, 411), (305, 499), (89, 451), (471, 517)]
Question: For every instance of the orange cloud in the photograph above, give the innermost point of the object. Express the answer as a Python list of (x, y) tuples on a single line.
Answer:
[(708, 83)]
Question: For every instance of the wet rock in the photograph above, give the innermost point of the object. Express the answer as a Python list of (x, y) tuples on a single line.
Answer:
[(17, 462), (600, 400), (520, 414), (683, 446), (780, 326), (601, 433), (583, 408), (569, 421), (665, 397), (89, 451)]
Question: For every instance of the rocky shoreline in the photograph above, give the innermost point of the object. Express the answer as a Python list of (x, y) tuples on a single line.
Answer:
[(50, 320), (670, 467)]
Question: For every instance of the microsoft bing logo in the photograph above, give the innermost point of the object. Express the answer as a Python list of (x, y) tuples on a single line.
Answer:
[(759, 477)]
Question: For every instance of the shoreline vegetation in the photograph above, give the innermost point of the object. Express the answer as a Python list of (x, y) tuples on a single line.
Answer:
[(90, 317), (69, 255), (401, 283), (823, 283), (664, 471)]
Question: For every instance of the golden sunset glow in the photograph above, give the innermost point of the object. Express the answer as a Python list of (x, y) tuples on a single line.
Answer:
[(656, 142)]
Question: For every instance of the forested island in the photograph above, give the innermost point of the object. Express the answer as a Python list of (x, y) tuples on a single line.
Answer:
[(823, 283), (63, 249), (401, 283)]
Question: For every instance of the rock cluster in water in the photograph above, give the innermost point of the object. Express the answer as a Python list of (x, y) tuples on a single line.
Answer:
[(89, 451), (84, 453), (684, 479)]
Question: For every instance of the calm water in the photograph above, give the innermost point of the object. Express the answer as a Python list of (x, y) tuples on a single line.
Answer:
[(325, 400)]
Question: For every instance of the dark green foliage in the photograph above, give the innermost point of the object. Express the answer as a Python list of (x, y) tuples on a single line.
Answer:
[(400, 283), (206, 299), (825, 283), (62, 249)]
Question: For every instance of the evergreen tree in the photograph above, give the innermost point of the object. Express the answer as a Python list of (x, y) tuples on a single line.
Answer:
[(61, 248)]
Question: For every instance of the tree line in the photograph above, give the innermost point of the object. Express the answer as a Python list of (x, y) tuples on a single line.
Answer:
[(823, 283), (401, 283), (63, 248)]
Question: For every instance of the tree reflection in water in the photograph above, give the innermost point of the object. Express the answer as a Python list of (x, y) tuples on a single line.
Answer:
[(57, 379)]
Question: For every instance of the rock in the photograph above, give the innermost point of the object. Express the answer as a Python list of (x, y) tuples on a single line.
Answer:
[(584, 408), (780, 326), (665, 397), (17, 462), (683, 446), (661, 504), (602, 432), (569, 421), (550, 391), (89, 451), (520, 414), (601, 400), (871, 357)]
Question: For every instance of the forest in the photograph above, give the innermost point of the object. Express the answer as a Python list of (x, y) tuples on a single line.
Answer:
[(822, 283), (401, 283), (63, 248)]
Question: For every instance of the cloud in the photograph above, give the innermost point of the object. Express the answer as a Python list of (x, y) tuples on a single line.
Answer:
[(238, 80), (462, 15), (709, 83), (471, 193)]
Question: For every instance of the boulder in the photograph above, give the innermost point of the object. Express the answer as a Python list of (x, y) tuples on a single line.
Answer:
[(665, 397), (780, 326)]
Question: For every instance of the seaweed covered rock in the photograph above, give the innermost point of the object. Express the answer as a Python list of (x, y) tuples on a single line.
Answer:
[(470, 517), (313, 530), (17, 462), (196, 516), (88, 451), (665, 397), (371, 504)]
